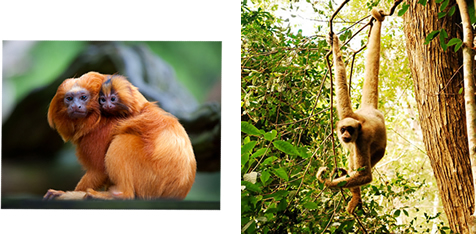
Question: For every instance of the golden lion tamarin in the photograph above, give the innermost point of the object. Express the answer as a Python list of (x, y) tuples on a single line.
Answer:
[(150, 155), (74, 112)]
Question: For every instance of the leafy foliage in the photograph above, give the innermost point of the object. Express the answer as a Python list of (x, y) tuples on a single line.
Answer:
[(445, 12), (287, 135)]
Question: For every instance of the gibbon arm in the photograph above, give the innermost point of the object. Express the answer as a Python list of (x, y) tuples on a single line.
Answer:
[(370, 89), (344, 106)]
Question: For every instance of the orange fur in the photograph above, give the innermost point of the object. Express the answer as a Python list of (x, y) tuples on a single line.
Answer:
[(150, 155), (135, 146), (130, 100), (91, 134)]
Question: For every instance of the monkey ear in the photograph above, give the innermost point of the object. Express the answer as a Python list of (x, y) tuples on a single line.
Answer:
[(359, 125)]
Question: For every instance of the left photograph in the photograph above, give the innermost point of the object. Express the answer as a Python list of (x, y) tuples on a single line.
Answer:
[(111, 124)]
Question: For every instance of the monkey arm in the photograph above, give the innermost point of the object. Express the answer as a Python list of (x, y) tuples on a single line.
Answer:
[(344, 106), (353, 179), (370, 89)]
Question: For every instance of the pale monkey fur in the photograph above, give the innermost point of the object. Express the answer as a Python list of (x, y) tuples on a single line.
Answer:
[(362, 132)]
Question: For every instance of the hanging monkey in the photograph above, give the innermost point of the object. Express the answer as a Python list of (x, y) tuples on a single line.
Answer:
[(362, 132)]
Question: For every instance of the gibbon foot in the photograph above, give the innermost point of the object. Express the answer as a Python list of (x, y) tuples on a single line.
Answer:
[(354, 202), (319, 174)]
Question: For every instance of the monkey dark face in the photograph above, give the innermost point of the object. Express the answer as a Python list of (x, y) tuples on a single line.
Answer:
[(348, 129), (76, 101), (110, 101)]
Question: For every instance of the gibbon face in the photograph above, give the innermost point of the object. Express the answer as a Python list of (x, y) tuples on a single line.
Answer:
[(348, 129)]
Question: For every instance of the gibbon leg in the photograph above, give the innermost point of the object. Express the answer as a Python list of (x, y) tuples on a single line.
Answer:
[(356, 199)]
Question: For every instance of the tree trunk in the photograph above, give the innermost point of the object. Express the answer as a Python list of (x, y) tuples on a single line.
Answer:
[(437, 81)]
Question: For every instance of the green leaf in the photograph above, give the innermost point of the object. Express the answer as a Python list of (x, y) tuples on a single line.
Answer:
[(439, 1), (422, 2), (268, 160), (270, 135), (396, 213), (258, 153), (245, 149), (460, 90), (286, 147), (281, 173), (251, 187), (310, 205), (444, 5), (443, 36), (244, 159), (303, 152), (443, 33), (246, 140), (282, 205), (249, 129), (278, 195), (405, 8), (431, 36), (361, 169), (342, 183), (454, 41), (265, 175), (452, 11), (441, 15)]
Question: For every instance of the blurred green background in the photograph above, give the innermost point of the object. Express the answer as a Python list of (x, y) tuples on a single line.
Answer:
[(29, 65)]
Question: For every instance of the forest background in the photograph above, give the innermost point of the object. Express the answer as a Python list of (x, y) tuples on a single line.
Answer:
[(286, 125)]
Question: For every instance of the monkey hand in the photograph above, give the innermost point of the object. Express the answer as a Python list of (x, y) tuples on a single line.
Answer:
[(343, 172), (52, 194), (378, 14), (330, 38)]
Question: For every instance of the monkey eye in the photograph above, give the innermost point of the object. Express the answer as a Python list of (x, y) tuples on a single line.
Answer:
[(350, 130), (69, 98), (102, 100), (84, 97), (113, 99), (342, 130)]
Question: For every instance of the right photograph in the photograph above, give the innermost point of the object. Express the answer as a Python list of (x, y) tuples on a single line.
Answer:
[(358, 117)]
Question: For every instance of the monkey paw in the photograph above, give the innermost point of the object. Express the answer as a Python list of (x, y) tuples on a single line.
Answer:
[(52, 194), (92, 194), (353, 203), (330, 39)]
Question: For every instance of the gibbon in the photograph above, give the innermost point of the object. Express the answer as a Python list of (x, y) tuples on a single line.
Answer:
[(362, 132)]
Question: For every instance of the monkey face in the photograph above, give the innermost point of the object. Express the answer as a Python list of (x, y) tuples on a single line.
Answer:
[(76, 101), (348, 129), (108, 101)]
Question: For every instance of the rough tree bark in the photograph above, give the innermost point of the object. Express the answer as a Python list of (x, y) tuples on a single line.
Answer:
[(437, 79)]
